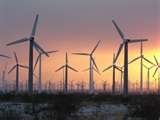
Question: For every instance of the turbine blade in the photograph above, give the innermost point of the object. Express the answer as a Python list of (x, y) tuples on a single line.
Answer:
[(156, 60), (155, 71), (66, 58), (118, 29), (37, 61), (107, 68), (94, 63), (134, 59), (59, 68), (18, 41), (72, 68), (148, 61), (40, 48), (35, 76), (96, 71), (81, 54), (34, 26), (95, 47), (49, 52), (37, 49), (137, 40), (12, 69), (119, 51), (145, 66), (16, 58), (5, 56), (26, 67), (118, 68), (85, 69), (152, 66)]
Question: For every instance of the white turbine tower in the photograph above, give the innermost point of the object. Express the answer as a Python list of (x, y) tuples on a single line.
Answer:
[(91, 63), (39, 59), (148, 77)]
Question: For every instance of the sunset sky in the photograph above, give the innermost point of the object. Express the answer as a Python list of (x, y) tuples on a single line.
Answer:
[(76, 26)]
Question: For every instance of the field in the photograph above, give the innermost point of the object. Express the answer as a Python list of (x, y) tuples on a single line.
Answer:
[(78, 107)]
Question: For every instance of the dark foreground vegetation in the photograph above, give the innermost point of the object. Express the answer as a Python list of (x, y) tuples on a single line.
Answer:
[(61, 106)]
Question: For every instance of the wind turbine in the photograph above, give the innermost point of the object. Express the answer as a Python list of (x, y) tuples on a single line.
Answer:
[(4, 71), (158, 67), (104, 84), (66, 67), (32, 44), (39, 59), (124, 44), (141, 57), (94, 69), (121, 79), (148, 76), (17, 66), (82, 86), (155, 84), (3, 77), (91, 63), (113, 74)]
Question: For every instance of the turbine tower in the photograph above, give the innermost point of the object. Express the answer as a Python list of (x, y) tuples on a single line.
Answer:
[(32, 44), (113, 74), (4, 72), (148, 76), (3, 87), (97, 71), (39, 59), (17, 66), (141, 57), (66, 67), (91, 63), (124, 44)]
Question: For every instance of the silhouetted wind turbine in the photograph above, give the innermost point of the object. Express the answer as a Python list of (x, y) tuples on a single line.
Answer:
[(17, 66), (4, 77), (104, 84), (4, 71), (113, 74), (66, 67), (39, 59), (148, 76), (125, 45), (32, 44), (91, 62), (157, 67), (155, 84), (141, 57), (82, 86)]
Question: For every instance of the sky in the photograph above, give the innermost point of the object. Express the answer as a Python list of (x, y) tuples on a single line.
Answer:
[(76, 26)]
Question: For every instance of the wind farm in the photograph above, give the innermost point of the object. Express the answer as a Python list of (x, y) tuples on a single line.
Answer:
[(81, 61)]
